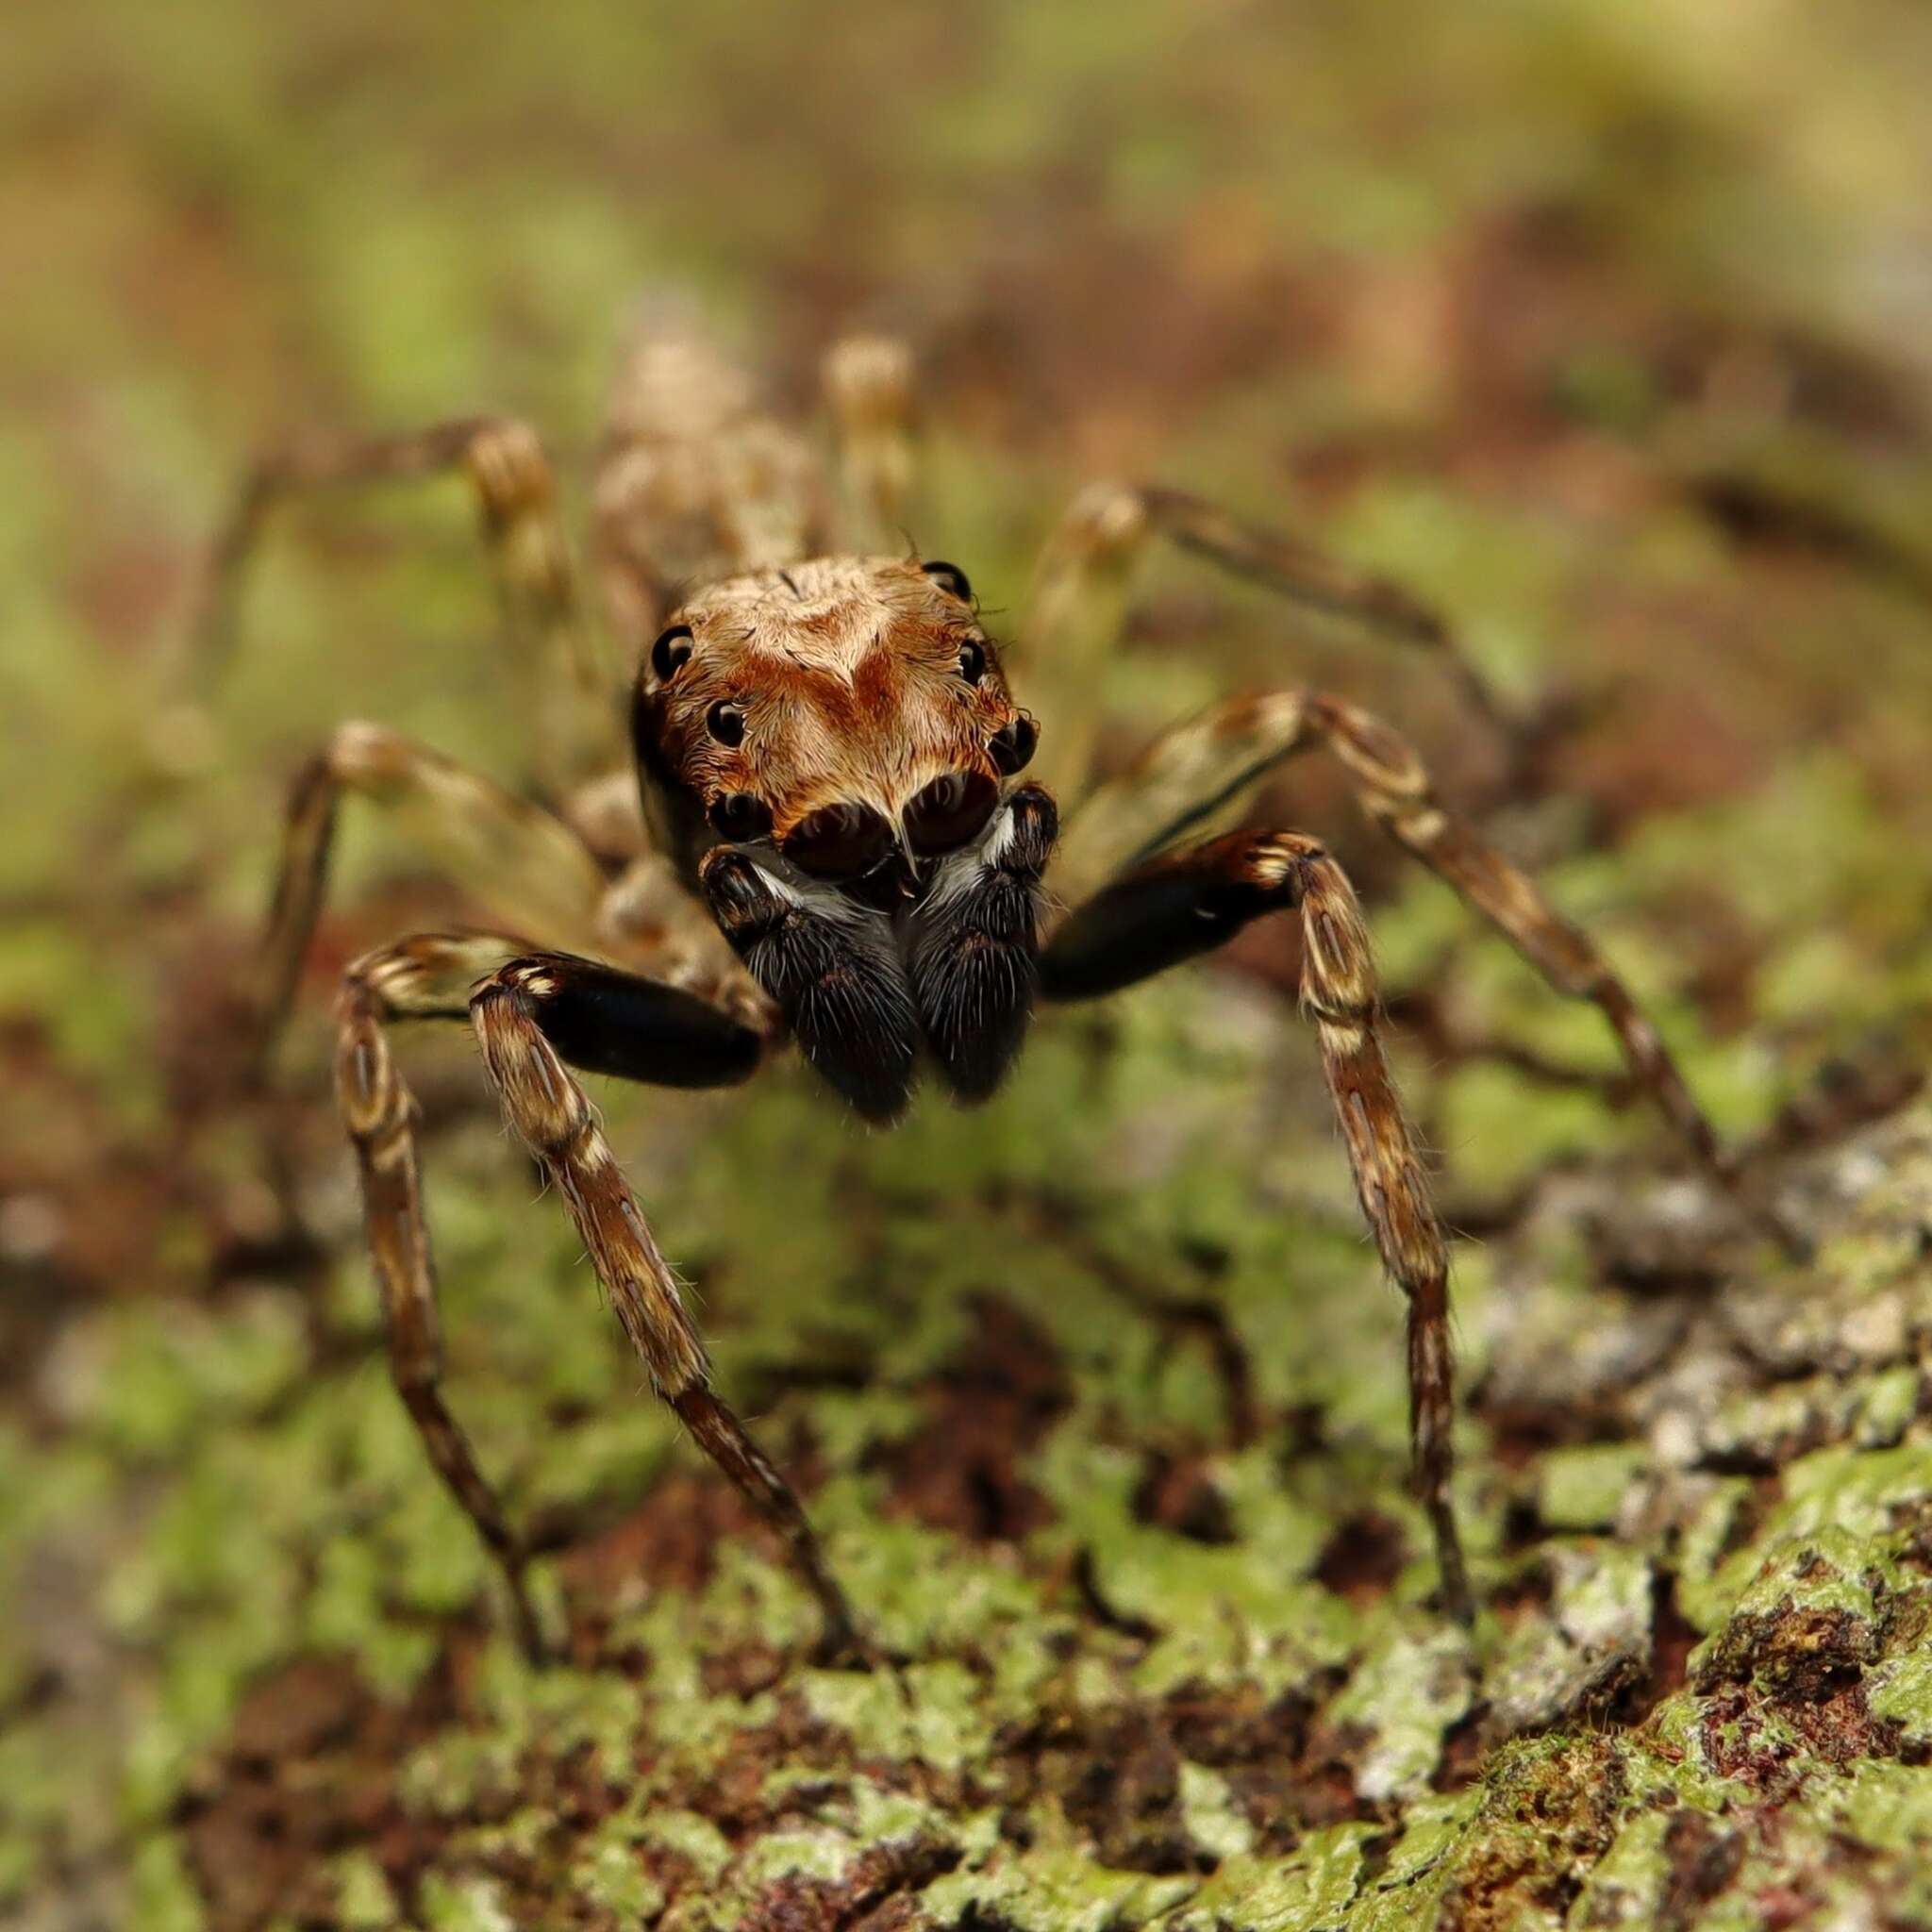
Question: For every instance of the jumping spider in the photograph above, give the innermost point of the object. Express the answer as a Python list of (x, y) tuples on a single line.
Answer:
[(837, 847)]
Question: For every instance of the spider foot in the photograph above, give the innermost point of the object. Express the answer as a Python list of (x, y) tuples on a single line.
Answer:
[(843, 1646), (1457, 1599)]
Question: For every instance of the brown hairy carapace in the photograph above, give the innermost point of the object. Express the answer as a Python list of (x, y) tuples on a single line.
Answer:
[(851, 710), (829, 837)]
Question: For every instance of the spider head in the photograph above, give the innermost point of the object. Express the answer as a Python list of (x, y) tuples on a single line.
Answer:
[(850, 710)]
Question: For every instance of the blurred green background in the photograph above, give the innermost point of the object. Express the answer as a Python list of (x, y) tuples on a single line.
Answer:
[(1606, 328)]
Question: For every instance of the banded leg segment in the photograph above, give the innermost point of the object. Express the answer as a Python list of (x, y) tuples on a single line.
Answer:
[(1079, 604), (1195, 901), (529, 865), (1297, 569), (533, 1012), (576, 711), (1200, 766), (528, 1017), (428, 976)]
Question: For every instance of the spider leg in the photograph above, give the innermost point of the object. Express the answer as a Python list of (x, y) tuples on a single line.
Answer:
[(695, 479), (531, 1013), (531, 863), (530, 1017), (577, 715), (419, 977), (1079, 602), (868, 382), (1202, 765), (1192, 901)]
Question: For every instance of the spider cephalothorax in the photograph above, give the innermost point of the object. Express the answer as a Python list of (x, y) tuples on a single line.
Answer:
[(836, 848), (851, 711), (827, 752)]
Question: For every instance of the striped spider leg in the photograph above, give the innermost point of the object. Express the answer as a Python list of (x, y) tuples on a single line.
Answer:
[(1155, 903), (532, 1012), (1203, 767), (586, 877), (535, 1015), (1191, 901), (516, 497), (1083, 583)]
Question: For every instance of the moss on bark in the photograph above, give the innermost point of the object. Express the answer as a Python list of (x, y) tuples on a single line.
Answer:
[(1149, 1668)]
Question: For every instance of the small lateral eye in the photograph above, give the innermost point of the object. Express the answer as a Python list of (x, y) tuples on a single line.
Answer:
[(972, 660), (668, 654), (726, 723), (949, 576)]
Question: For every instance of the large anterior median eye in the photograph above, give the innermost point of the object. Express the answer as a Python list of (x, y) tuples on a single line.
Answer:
[(671, 652), (950, 812), (726, 723), (1012, 746), (741, 817), (839, 841)]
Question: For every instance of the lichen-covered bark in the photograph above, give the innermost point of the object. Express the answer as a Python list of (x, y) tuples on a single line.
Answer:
[(1596, 327), (1157, 1606)]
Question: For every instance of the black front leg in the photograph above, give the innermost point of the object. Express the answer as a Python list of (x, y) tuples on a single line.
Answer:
[(608, 1021), (1171, 910)]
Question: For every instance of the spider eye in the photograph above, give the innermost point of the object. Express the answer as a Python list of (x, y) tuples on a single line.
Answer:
[(972, 660), (741, 817), (839, 841), (726, 723), (670, 652), (949, 576), (1012, 746), (950, 811)]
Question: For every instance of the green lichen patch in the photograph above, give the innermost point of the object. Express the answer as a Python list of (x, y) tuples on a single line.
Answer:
[(1131, 1675), (1593, 1643)]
